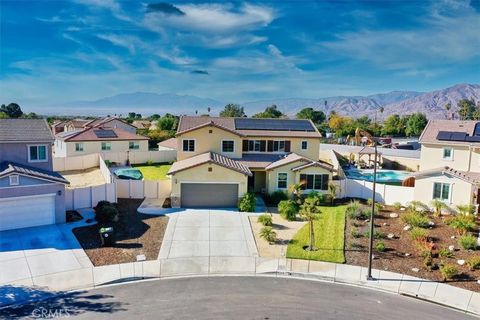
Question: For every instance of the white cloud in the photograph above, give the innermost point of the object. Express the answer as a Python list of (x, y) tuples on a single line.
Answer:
[(111, 5), (127, 42)]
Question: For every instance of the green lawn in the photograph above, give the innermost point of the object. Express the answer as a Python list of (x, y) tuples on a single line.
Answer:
[(329, 237), (156, 171)]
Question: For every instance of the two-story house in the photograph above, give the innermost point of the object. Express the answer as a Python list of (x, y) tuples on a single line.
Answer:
[(31, 194), (100, 136), (220, 159), (449, 162)]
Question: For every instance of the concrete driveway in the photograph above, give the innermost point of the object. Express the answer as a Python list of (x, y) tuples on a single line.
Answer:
[(208, 233), (38, 251)]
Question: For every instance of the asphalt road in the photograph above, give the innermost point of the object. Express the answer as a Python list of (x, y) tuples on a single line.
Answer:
[(260, 298)]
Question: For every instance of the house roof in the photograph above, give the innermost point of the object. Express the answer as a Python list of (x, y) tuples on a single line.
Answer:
[(472, 177), (209, 157), (434, 127), (368, 150), (252, 127), (102, 121), (7, 168), (319, 164), (141, 124), (78, 123), (169, 143), (100, 134), (292, 157), (258, 160), (25, 130)]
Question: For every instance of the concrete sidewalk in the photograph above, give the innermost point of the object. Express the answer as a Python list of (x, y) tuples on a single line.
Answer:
[(441, 293)]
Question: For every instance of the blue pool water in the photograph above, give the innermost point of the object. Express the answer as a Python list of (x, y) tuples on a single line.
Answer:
[(383, 176), (129, 174)]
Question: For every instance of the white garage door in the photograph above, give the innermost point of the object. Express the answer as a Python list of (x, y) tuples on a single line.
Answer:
[(22, 212)]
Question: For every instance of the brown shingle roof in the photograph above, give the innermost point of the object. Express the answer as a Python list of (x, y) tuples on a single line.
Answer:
[(169, 143), (209, 157), (429, 134), (90, 135), (472, 177)]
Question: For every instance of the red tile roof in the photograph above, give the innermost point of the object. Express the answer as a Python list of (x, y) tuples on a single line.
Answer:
[(429, 134), (472, 177), (209, 157), (171, 143)]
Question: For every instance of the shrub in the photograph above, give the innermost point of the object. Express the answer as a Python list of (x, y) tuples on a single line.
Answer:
[(105, 213), (437, 205), (268, 234), (247, 202), (468, 242), (445, 253), (376, 234), (288, 209), (353, 210), (397, 205), (274, 198), (417, 207), (380, 246), (415, 219), (428, 262), (466, 209), (265, 219), (418, 234), (314, 194), (355, 233), (355, 246), (449, 271), (474, 262), (149, 162), (108, 163), (462, 223)]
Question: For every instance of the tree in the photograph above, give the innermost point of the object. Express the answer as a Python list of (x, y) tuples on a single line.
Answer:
[(332, 192), (415, 124), (12, 110), (232, 110), (132, 115), (167, 122), (155, 116), (138, 116), (311, 114), (3, 115), (448, 107), (342, 126), (393, 125), (270, 112), (296, 190), (310, 211), (466, 108)]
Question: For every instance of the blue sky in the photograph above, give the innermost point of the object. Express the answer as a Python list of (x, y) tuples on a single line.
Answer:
[(58, 51)]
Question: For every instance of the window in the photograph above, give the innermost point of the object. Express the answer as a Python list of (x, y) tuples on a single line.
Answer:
[(37, 153), (189, 145), (14, 180), (282, 180), (304, 145), (254, 145), (79, 147), (314, 181), (447, 154), (106, 146), (228, 146), (441, 191), (133, 145), (278, 146)]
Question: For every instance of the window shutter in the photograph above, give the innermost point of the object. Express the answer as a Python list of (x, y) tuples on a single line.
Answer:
[(287, 145), (303, 181), (270, 145), (262, 145), (245, 145), (325, 178)]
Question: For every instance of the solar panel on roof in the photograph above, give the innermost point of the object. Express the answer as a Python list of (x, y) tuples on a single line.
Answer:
[(444, 135), (271, 124), (105, 134), (458, 136), (476, 132)]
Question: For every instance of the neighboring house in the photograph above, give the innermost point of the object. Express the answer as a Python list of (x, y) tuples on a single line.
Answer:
[(75, 124), (31, 194), (98, 139), (449, 162), (58, 126), (141, 124), (107, 122), (169, 144), (220, 159)]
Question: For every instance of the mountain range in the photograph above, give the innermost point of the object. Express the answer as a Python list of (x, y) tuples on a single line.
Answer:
[(400, 102)]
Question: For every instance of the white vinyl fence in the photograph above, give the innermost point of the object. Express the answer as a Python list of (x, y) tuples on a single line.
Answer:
[(88, 197), (384, 193), (75, 163), (107, 174), (139, 189)]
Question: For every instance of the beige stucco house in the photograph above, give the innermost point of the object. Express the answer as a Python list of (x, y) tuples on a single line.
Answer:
[(449, 162), (220, 159)]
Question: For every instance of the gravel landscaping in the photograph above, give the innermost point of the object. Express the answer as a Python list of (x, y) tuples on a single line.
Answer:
[(83, 178), (136, 234)]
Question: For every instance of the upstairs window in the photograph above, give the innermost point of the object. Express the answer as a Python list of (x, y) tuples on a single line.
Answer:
[(106, 146), (133, 145), (304, 145), (188, 145), (79, 147), (254, 145), (278, 146), (37, 153), (228, 146), (447, 154)]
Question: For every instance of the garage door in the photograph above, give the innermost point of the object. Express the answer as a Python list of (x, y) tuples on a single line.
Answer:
[(25, 212), (203, 195)]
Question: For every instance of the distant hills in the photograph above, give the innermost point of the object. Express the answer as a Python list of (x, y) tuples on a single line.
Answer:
[(401, 102)]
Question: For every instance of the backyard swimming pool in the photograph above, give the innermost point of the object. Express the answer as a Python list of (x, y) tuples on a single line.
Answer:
[(128, 174), (383, 176)]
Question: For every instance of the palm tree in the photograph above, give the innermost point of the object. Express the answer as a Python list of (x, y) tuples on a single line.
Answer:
[(208, 109), (332, 191), (448, 106), (310, 212), (438, 205), (296, 191)]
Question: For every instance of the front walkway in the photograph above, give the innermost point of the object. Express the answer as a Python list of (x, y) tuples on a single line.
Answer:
[(208, 233)]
